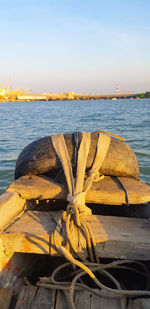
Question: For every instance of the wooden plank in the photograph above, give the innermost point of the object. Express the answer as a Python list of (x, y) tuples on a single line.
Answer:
[(12, 268), (10, 205), (35, 187), (105, 191), (5, 297), (17, 286), (83, 300), (141, 303), (101, 303), (87, 300), (116, 237), (26, 297), (62, 300), (44, 299)]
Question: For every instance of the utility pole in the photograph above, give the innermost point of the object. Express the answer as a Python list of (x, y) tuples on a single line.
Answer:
[(118, 89), (10, 84)]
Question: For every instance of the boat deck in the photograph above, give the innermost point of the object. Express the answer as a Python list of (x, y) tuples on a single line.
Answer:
[(30, 233), (30, 297), (116, 237)]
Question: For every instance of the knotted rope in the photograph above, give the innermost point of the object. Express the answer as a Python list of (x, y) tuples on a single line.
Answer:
[(78, 236)]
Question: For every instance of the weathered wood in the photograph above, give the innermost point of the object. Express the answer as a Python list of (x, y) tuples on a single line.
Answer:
[(142, 303), (31, 297), (116, 237), (18, 286), (5, 297), (34, 187), (83, 299), (87, 300), (10, 205), (26, 297), (104, 303), (13, 266), (44, 299), (106, 191), (62, 300)]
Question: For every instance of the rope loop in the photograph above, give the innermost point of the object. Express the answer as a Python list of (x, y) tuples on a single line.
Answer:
[(96, 176)]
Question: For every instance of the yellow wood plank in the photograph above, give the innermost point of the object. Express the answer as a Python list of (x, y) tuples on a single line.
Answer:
[(116, 237), (10, 205), (105, 191)]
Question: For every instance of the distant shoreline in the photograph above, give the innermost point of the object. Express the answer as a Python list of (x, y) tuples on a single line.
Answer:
[(17, 96), (66, 97)]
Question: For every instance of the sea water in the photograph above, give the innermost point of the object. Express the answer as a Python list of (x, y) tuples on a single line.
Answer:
[(23, 122)]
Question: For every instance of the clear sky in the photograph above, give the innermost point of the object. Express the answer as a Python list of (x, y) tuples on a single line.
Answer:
[(81, 45)]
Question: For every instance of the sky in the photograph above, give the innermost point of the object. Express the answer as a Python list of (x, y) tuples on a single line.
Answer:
[(75, 45)]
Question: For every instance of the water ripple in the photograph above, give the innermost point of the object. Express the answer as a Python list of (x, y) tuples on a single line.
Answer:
[(22, 123)]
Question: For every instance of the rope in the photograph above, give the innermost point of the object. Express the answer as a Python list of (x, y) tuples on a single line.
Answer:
[(118, 181), (111, 134), (72, 230), (91, 274), (90, 268)]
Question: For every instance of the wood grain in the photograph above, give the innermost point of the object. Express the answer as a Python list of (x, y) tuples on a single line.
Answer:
[(142, 303), (45, 299), (62, 300), (10, 205), (26, 297), (31, 297), (116, 237), (5, 297), (105, 191)]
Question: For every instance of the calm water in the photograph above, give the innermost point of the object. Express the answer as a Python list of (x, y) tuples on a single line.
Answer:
[(22, 123)]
